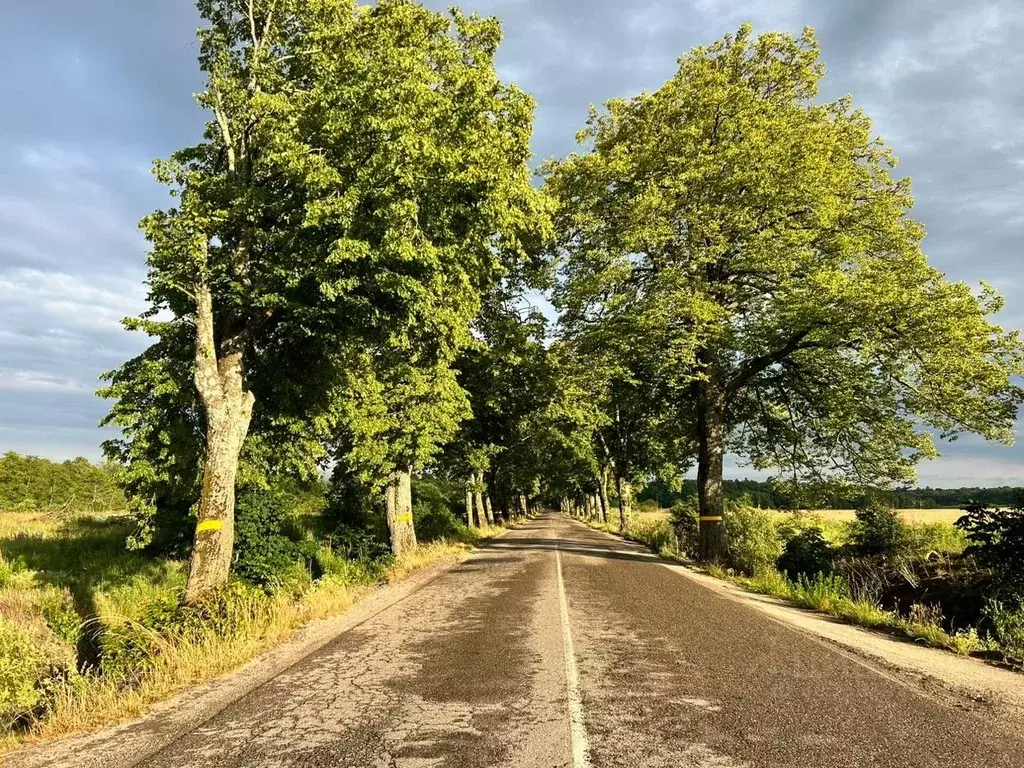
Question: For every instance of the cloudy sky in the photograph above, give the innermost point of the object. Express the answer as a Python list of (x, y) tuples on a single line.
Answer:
[(93, 91)]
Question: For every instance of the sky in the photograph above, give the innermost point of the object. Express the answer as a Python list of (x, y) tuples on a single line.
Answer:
[(94, 91)]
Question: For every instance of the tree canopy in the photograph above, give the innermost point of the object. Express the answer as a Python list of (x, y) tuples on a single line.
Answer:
[(342, 285)]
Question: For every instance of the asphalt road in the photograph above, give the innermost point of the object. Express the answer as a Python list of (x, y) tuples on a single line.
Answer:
[(558, 646)]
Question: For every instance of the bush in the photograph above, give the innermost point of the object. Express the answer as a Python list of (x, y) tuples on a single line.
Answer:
[(1008, 628), (685, 522), (878, 530), (264, 554), (806, 554), (996, 540), (434, 522), (754, 542), (23, 664)]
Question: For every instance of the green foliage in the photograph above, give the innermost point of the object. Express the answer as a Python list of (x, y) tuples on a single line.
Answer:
[(996, 540), (754, 542), (806, 554), (264, 552), (21, 664), (878, 530), (30, 482), (777, 495), (1008, 625), (924, 539), (434, 502), (685, 523)]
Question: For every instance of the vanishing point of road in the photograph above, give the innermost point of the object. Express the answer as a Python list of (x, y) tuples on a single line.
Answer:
[(556, 645)]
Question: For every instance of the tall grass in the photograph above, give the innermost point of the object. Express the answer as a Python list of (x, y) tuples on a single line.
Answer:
[(145, 647)]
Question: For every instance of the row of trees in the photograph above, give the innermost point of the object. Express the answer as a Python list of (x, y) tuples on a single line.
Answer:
[(340, 284), (31, 482), (781, 495), (740, 273)]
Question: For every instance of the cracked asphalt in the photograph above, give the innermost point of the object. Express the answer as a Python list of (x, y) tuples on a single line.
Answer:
[(471, 670)]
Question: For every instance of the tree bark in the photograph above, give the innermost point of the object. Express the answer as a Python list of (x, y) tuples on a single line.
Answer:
[(523, 510), (469, 506), (399, 512), (625, 498), (228, 406), (710, 453), (603, 488), (488, 507), (481, 513)]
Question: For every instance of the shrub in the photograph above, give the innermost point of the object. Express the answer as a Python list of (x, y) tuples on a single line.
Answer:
[(685, 522), (23, 665), (264, 554), (435, 521), (878, 530), (754, 542), (1008, 626), (996, 540), (806, 554)]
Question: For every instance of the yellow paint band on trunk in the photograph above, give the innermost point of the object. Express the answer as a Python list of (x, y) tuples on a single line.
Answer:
[(209, 525), (711, 519), (404, 518)]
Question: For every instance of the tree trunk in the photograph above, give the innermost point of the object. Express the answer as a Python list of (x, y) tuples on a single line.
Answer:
[(603, 489), (523, 510), (399, 512), (710, 452), (481, 513), (228, 406), (625, 498), (489, 509), (469, 506)]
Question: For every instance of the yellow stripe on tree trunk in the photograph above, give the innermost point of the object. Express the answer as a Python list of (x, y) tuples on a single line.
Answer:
[(711, 519), (209, 525), (404, 518)]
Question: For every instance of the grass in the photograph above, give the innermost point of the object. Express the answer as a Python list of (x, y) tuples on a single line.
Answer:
[(69, 591)]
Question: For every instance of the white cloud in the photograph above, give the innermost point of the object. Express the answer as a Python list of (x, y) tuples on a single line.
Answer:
[(71, 300), (39, 381)]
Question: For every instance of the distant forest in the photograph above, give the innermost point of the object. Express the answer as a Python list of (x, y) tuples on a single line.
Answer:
[(771, 496), (30, 482)]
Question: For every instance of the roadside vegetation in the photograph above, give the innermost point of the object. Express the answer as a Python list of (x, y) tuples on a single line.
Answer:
[(347, 377), (953, 586), (92, 632)]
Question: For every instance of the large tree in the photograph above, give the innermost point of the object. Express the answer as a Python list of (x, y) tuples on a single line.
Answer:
[(822, 342), (363, 176)]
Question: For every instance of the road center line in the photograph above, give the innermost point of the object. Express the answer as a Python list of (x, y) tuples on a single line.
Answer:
[(577, 730)]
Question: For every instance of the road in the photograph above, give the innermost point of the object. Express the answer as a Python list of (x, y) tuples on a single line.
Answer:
[(556, 645)]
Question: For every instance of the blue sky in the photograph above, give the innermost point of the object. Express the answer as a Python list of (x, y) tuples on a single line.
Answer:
[(95, 90)]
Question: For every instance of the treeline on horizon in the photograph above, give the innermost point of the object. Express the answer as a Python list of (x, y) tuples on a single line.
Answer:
[(769, 495), (37, 483)]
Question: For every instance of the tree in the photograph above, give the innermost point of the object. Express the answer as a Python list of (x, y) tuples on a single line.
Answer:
[(364, 174), (821, 342)]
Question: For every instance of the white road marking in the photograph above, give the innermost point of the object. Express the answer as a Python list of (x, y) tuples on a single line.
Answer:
[(577, 730)]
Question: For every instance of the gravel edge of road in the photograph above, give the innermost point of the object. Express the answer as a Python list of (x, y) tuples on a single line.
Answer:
[(130, 743), (962, 682)]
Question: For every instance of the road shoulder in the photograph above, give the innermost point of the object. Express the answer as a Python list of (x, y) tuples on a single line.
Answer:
[(963, 682)]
